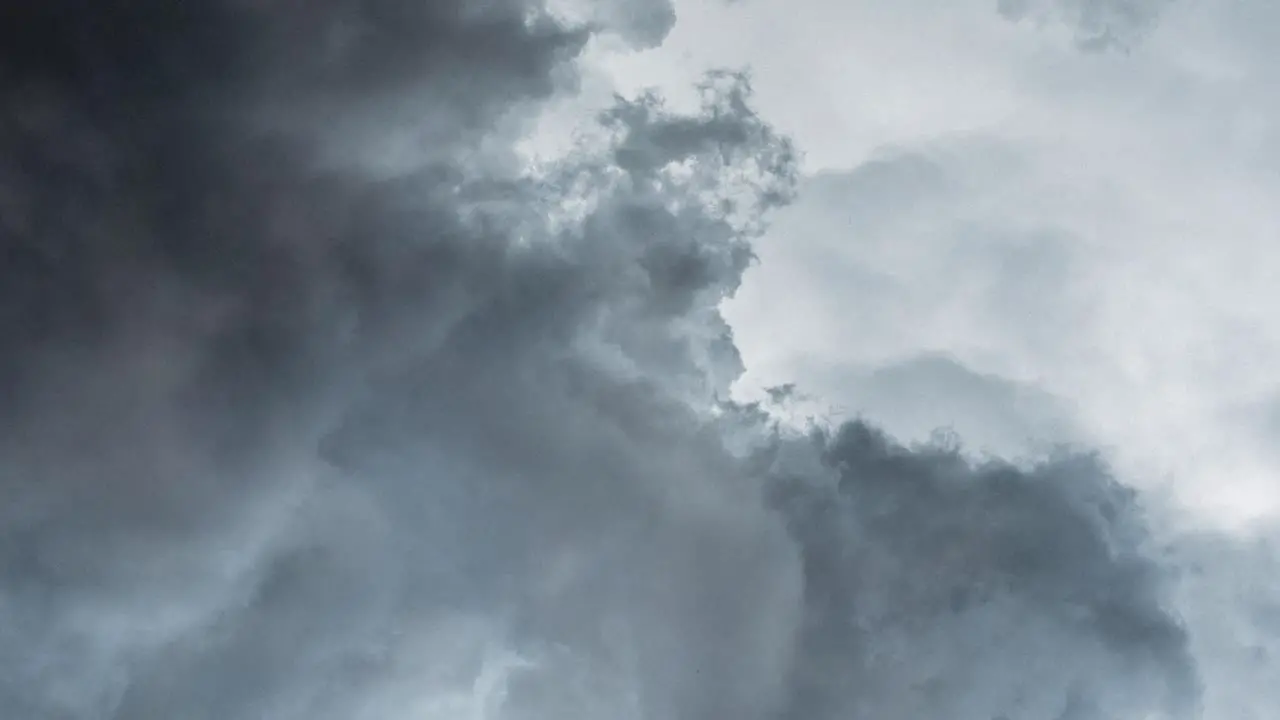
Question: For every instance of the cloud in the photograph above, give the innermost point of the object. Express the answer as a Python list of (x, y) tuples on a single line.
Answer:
[(295, 431), (1232, 604), (915, 251), (935, 586), (1011, 257), (1096, 24), (917, 398), (290, 437)]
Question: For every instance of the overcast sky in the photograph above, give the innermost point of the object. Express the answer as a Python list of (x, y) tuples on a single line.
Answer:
[(384, 359)]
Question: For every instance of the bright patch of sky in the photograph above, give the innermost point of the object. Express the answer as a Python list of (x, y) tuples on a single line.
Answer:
[(1073, 198)]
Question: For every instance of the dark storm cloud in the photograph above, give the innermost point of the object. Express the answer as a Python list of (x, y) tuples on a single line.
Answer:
[(934, 587), (273, 425), (286, 438)]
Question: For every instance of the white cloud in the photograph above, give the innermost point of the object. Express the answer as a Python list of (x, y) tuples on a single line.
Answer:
[(1101, 224)]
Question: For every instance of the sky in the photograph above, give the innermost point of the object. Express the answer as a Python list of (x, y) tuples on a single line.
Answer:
[(636, 359), (995, 185)]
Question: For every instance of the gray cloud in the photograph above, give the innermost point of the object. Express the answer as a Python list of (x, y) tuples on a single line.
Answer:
[(285, 437), (1097, 24), (937, 587), (917, 397)]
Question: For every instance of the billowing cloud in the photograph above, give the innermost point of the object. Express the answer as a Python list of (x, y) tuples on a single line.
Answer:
[(936, 587), (319, 405)]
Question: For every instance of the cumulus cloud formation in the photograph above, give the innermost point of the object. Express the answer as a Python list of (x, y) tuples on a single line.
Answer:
[(935, 588), (292, 430)]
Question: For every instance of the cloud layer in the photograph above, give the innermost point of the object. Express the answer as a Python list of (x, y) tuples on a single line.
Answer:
[(319, 405), (1096, 24)]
